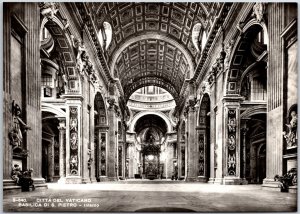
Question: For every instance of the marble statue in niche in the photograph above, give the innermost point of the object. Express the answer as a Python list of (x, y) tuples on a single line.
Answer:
[(19, 127), (291, 136)]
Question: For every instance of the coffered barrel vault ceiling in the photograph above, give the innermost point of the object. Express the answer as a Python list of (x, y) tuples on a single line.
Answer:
[(157, 60)]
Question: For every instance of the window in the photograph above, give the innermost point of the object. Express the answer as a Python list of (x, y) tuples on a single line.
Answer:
[(195, 36), (259, 91), (105, 35), (47, 80), (203, 40)]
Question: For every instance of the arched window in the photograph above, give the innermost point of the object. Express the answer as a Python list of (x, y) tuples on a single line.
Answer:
[(196, 32), (203, 40), (108, 34), (105, 35), (199, 37), (100, 36), (262, 37), (254, 86)]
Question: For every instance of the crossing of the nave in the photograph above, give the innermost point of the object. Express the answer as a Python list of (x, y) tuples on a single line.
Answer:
[(113, 92)]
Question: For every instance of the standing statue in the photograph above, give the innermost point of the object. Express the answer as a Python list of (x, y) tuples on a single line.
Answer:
[(49, 9), (63, 77), (19, 127), (291, 137), (258, 11), (80, 54)]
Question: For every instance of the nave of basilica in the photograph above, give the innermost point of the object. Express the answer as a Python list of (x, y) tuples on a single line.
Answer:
[(196, 92)]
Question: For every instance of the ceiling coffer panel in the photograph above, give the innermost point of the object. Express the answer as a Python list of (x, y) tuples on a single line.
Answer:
[(171, 19), (152, 58)]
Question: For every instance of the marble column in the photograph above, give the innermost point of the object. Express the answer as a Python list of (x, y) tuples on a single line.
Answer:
[(275, 80), (202, 157), (112, 146), (178, 148), (51, 160), (232, 140), (244, 131), (169, 160), (192, 156), (213, 109), (131, 160), (92, 158), (62, 154), (73, 139)]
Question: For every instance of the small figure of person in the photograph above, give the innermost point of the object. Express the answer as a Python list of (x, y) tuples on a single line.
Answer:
[(26, 180)]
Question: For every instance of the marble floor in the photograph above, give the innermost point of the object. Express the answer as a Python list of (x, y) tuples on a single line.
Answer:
[(139, 196)]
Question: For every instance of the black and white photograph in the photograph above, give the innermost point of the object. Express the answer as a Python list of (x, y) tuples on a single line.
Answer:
[(160, 107)]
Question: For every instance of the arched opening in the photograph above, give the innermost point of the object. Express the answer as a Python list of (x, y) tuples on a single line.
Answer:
[(182, 157), (254, 83), (58, 61), (203, 133), (247, 77), (100, 138), (255, 137), (50, 147), (151, 130)]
